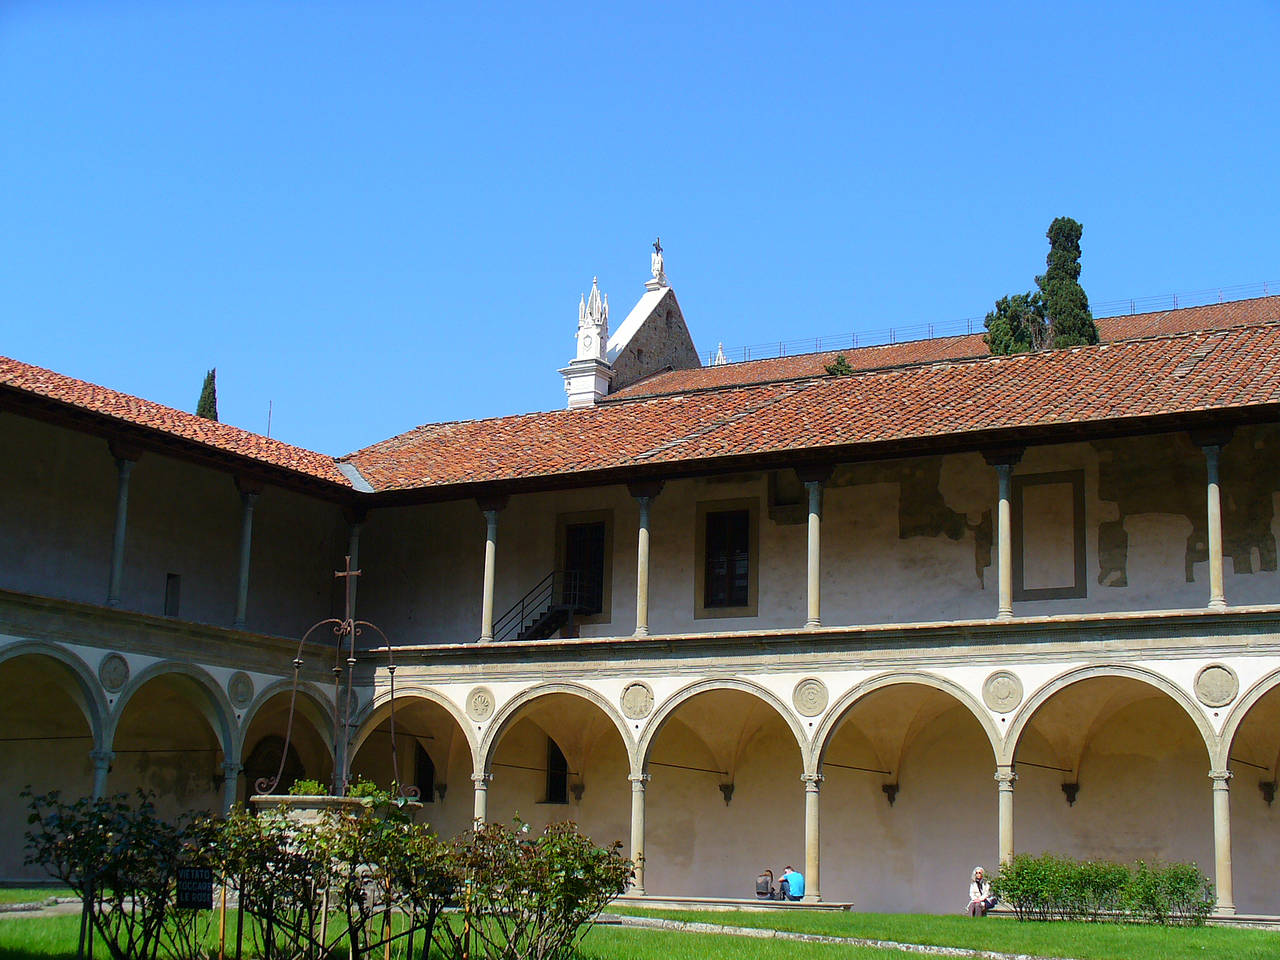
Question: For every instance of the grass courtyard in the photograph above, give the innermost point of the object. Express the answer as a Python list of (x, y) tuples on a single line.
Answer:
[(54, 938)]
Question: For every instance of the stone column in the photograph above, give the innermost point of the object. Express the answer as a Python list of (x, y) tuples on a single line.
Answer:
[(124, 468), (644, 494), (813, 478), (481, 781), (1222, 841), (490, 509), (1217, 598), (248, 499), (638, 783), (1003, 461), (230, 784), (812, 839), (355, 521), (1005, 777), (101, 767)]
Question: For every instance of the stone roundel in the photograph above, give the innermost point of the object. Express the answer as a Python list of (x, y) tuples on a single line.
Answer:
[(480, 703), (113, 672), (636, 700), (1216, 685), (240, 688), (1002, 691), (810, 696)]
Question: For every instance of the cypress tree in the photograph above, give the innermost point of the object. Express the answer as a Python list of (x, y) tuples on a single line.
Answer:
[(1017, 325), (208, 405), (1065, 305)]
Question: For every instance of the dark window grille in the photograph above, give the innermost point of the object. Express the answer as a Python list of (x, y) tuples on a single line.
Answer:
[(727, 582), (557, 774), (172, 594), (424, 775), (584, 564)]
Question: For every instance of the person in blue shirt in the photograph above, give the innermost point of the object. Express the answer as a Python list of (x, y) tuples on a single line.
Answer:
[(794, 881)]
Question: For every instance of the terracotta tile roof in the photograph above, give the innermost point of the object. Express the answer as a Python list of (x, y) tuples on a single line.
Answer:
[(1142, 378), (223, 437), (1209, 317)]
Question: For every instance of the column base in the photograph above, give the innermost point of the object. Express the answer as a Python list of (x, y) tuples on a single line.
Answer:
[(811, 898), (1225, 910), (641, 632), (812, 624), (1004, 615), (1217, 604)]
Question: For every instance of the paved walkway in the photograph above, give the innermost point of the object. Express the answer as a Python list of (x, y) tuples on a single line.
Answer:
[(656, 923)]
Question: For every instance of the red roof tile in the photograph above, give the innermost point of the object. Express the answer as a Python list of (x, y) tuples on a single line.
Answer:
[(176, 423), (1201, 371), (1209, 317)]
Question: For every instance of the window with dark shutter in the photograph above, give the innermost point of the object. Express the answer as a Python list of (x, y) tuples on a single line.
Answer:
[(727, 580)]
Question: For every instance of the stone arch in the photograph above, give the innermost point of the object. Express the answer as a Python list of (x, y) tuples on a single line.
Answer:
[(85, 689), (1113, 670), (1236, 717), (511, 709), (379, 708), (685, 694), (213, 703), (308, 692), (831, 722)]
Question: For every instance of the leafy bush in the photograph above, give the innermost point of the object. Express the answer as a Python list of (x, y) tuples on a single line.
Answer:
[(308, 788), (1057, 888)]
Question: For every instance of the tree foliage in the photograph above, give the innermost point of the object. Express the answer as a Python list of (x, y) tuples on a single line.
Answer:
[(1065, 305), (839, 368), (1017, 325), (207, 407), (1055, 315)]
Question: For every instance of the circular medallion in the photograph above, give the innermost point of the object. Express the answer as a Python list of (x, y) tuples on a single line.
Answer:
[(637, 701), (1002, 691), (1216, 685), (480, 703), (810, 696), (113, 672), (240, 688)]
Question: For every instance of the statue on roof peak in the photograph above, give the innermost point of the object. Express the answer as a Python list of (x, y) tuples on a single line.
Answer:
[(656, 264)]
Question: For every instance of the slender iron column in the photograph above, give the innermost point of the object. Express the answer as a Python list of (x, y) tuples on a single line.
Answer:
[(124, 468), (1222, 841), (638, 783), (812, 838), (248, 499), (645, 493), (1005, 777), (1217, 598)]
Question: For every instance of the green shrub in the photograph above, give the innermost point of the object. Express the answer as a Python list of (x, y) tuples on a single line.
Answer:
[(1049, 887), (308, 788)]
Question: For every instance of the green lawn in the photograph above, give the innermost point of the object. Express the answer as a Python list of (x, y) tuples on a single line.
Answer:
[(1086, 941)]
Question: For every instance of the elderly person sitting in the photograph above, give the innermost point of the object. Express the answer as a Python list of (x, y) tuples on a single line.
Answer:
[(981, 899)]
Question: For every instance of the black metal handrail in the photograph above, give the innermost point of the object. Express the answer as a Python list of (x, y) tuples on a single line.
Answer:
[(573, 590)]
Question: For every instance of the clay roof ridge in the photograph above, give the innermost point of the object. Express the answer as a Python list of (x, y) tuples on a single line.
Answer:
[(954, 361)]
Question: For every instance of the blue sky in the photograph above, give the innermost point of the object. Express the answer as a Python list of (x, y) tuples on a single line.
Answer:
[(375, 215)]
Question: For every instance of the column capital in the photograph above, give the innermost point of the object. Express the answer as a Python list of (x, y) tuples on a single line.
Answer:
[(1215, 437), (639, 779), (481, 780), (1003, 456), (645, 489), (101, 758), (1006, 777), (125, 452), (495, 504), (812, 781), (815, 473), (1221, 778), (249, 487), (232, 768)]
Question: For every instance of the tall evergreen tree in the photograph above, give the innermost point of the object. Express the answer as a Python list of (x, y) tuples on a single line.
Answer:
[(208, 405), (1017, 325), (1065, 305)]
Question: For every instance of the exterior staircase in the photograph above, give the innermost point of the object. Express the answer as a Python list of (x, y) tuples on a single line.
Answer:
[(550, 606)]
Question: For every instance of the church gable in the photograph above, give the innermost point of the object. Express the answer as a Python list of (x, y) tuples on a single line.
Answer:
[(652, 339)]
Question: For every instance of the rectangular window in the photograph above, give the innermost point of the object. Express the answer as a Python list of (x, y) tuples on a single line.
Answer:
[(557, 774), (424, 775), (1048, 536), (584, 563), (172, 594), (728, 561)]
